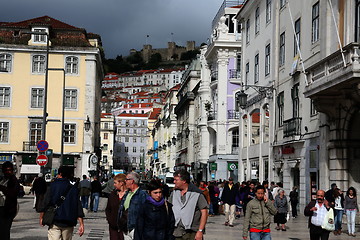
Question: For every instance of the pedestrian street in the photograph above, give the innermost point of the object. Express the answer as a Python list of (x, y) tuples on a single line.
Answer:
[(26, 226)]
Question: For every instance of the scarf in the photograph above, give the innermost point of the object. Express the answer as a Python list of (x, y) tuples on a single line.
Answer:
[(154, 202)]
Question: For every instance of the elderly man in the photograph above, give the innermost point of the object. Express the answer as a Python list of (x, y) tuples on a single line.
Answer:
[(189, 206), (317, 210), (132, 201)]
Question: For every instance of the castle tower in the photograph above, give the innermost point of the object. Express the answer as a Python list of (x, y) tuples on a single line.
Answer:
[(190, 45)]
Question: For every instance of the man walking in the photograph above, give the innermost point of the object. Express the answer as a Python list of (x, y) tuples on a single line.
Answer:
[(316, 210), (85, 191), (189, 206), (258, 216), (69, 212), (9, 190), (228, 198), (132, 201), (95, 193)]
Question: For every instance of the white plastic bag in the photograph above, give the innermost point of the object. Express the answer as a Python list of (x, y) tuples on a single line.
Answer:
[(329, 223)]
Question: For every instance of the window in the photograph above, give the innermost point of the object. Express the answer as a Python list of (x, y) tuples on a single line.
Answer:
[(134, 149), (280, 102), (126, 149), (126, 139), (267, 60), (127, 123), (134, 139), (268, 11), (135, 131), (315, 23), (282, 49), (235, 138), (70, 98), (38, 62), (37, 97), (69, 133), (4, 132), (142, 139), (105, 147), (104, 159), (282, 3), (248, 31), (4, 97), (238, 63), (5, 62), (127, 131), (312, 108), (35, 132), (357, 22), (297, 37), (257, 20), (247, 70), (295, 100), (256, 69), (39, 38), (106, 136), (72, 64), (134, 160), (142, 149)]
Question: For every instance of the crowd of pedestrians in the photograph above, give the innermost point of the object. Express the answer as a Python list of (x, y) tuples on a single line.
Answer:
[(154, 211)]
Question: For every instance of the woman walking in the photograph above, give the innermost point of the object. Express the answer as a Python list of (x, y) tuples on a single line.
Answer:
[(156, 219), (339, 210), (351, 208), (117, 227), (281, 204), (294, 200)]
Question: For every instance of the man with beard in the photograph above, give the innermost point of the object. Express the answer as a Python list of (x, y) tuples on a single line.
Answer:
[(317, 210)]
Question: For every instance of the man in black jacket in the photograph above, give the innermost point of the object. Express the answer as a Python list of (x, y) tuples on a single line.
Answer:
[(228, 198), (69, 212)]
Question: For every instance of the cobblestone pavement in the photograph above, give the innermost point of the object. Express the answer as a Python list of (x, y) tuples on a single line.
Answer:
[(26, 226)]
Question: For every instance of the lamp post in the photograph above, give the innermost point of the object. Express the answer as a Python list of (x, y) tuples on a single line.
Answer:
[(62, 113), (43, 130)]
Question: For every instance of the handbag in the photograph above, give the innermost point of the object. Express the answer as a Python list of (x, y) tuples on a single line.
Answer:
[(49, 214), (329, 223)]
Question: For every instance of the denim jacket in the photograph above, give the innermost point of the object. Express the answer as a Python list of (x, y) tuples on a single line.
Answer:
[(137, 200)]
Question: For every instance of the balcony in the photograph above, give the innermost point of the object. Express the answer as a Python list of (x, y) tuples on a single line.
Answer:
[(292, 127), (329, 76), (233, 114), (221, 11), (29, 146), (212, 115), (187, 97), (234, 74)]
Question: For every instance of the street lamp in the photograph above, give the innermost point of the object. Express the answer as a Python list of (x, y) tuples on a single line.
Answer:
[(62, 114), (87, 124), (241, 97), (43, 133)]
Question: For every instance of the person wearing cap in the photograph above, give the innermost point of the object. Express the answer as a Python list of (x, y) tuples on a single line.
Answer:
[(228, 198), (39, 188)]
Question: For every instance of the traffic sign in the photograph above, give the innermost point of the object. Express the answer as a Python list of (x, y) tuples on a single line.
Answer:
[(42, 145), (41, 160)]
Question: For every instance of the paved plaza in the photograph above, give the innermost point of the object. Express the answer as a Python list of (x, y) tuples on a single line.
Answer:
[(26, 226)]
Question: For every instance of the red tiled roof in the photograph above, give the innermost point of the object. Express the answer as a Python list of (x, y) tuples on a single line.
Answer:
[(104, 115), (44, 20), (155, 113), (133, 115)]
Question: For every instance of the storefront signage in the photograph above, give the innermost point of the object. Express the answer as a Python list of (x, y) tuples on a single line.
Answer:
[(232, 166), (288, 150), (213, 166)]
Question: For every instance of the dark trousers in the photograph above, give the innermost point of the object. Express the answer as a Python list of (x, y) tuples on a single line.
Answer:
[(294, 209), (5, 224), (317, 233), (115, 234)]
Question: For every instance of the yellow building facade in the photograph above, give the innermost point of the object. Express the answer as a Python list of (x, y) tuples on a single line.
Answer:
[(74, 56)]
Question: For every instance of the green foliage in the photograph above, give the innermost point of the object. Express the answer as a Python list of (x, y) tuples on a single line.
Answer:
[(189, 55)]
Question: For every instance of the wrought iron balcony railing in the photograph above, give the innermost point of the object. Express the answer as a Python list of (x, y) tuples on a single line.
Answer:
[(233, 114), (292, 127), (29, 146)]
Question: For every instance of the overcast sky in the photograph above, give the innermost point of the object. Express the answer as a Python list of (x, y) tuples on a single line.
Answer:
[(124, 24)]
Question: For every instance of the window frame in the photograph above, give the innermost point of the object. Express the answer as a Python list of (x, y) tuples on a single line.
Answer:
[(247, 73), (5, 97), (257, 20), (4, 132), (297, 26), (37, 38), (69, 133), (267, 59), (37, 98), (5, 62), (268, 11), (35, 131), (247, 31), (282, 49), (71, 100), (315, 27), (38, 65), (280, 103), (256, 68), (72, 66)]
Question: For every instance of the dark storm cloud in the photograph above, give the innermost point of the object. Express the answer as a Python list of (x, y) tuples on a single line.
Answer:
[(124, 24)]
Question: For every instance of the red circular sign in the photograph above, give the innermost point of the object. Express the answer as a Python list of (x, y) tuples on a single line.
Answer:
[(41, 160)]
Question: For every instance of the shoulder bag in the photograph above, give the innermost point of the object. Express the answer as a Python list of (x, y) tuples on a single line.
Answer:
[(49, 214)]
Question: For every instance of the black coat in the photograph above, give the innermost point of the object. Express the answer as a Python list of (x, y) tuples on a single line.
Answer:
[(155, 223), (228, 195)]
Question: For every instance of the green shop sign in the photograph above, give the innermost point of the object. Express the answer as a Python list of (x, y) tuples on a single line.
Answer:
[(232, 166), (213, 166)]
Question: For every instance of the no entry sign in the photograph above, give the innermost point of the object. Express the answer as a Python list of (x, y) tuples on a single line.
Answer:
[(41, 160)]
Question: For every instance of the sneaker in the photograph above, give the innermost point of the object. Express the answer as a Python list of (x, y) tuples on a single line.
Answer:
[(283, 229), (353, 235), (230, 225)]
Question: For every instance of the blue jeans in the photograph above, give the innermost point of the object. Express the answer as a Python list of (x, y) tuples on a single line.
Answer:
[(350, 214), (338, 219), (95, 197), (85, 202), (260, 236)]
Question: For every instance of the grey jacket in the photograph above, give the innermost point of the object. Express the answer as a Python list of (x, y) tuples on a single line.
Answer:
[(281, 205), (258, 215)]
